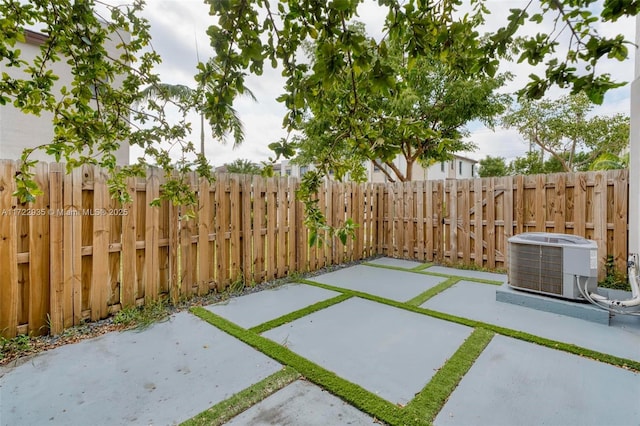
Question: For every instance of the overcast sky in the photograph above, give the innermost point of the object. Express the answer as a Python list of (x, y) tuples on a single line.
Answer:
[(178, 26)]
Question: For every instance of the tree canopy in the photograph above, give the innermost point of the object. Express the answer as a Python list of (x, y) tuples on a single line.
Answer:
[(563, 129), (493, 166), (250, 33), (420, 118), (243, 166), (93, 114), (97, 111)]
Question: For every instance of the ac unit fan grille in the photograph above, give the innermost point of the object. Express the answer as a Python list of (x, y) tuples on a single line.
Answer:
[(536, 267)]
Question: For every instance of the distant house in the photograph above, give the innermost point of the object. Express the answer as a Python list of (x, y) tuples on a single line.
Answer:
[(457, 168), (286, 168), (18, 130)]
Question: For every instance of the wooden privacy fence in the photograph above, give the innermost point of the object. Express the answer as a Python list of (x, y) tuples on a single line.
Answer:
[(75, 254), (469, 221)]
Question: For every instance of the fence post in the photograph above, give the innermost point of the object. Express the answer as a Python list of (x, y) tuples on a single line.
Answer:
[(620, 217), (600, 220)]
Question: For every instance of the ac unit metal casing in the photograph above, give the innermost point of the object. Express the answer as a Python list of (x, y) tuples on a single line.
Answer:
[(548, 263)]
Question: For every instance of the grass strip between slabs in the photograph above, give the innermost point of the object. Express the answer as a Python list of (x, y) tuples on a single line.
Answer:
[(421, 267), (426, 295), (429, 401), (422, 271), (520, 335), (354, 394), (277, 322), (225, 410)]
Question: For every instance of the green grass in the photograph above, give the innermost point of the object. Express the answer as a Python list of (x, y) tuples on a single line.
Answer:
[(17, 345), (426, 295), (420, 411), (566, 347), (428, 403), (241, 401), (354, 394), (143, 316), (423, 271), (277, 322), (423, 266)]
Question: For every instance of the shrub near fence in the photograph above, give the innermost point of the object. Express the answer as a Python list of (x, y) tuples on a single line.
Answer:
[(75, 255)]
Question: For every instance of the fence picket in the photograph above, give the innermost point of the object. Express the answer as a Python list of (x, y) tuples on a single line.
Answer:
[(599, 220), (259, 197), (89, 265), (235, 269), (73, 246), (205, 255), (8, 250), (39, 244), (465, 240), (559, 204), (452, 210), (247, 234), (99, 292), (151, 274), (56, 241), (129, 232), (478, 226), (271, 218), (620, 232), (491, 224)]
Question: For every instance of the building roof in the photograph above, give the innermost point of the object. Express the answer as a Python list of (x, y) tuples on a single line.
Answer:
[(460, 157), (34, 37)]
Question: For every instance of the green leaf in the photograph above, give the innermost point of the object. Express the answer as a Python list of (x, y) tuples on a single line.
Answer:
[(341, 5)]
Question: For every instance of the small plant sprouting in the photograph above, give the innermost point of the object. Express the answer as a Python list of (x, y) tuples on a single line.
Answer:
[(237, 286), (143, 316), (18, 344), (615, 278)]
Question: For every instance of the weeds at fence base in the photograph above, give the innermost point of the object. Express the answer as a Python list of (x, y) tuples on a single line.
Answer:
[(615, 279), (143, 316), (17, 345)]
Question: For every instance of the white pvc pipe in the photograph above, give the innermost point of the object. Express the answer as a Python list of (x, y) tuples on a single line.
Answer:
[(634, 153)]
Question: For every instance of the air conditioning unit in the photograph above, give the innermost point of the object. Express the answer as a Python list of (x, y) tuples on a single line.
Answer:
[(551, 263)]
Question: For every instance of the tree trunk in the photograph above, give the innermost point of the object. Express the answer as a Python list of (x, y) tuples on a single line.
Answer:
[(409, 172)]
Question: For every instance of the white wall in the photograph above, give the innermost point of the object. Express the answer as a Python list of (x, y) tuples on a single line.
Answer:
[(19, 131), (634, 154), (433, 172)]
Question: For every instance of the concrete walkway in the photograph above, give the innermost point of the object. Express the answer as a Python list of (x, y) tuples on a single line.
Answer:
[(179, 368)]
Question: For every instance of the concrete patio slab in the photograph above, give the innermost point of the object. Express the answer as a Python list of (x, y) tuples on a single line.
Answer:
[(163, 375), (257, 308), (478, 301), (468, 273), (398, 263), (302, 403), (519, 383), (391, 284), (390, 352)]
